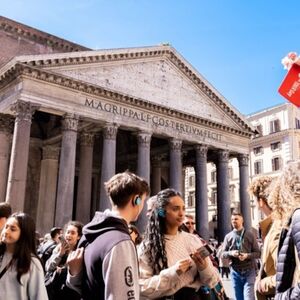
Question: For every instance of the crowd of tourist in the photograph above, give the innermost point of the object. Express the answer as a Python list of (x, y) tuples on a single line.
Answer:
[(109, 258)]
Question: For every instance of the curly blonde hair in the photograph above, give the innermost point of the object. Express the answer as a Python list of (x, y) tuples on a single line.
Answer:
[(285, 195), (260, 187)]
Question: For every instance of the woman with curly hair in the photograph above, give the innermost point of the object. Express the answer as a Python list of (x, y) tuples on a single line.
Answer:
[(285, 200), (270, 230), (21, 272), (170, 265)]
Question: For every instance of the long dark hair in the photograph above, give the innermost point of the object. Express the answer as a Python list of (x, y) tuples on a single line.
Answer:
[(154, 243), (26, 245)]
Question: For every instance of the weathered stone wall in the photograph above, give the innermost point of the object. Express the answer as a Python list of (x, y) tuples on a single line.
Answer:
[(19, 39), (12, 46)]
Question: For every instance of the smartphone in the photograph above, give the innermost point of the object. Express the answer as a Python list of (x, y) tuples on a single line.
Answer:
[(62, 239), (205, 251)]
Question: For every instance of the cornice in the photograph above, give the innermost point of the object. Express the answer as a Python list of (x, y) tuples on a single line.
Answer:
[(167, 52), (271, 137), (20, 70), (40, 37)]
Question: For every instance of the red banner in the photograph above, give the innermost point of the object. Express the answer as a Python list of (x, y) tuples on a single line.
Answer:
[(290, 87)]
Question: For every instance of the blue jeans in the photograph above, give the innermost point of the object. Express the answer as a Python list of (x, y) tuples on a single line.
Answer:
[(243, 284)]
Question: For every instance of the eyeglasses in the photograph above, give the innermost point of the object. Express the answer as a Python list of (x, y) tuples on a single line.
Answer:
[(189, 223)]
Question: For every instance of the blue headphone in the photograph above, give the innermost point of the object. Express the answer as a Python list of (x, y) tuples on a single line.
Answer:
[(137, 201), (161, 212)]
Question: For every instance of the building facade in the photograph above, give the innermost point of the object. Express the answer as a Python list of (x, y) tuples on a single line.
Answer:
[(277, 141), (71, 120)]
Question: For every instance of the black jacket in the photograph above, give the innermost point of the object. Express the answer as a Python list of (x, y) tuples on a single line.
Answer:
[(286, 263)]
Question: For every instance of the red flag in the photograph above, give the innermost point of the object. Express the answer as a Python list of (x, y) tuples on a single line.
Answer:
[(290, 87)]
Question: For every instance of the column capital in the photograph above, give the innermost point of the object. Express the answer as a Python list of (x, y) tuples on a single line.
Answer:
[(70, 122), (144, 138), (6, 123), (51, 152), (110, 131), (223, 155), (24, 110), (201, 150), (175, 144), (87, 139), (243, 159), (157, 159)]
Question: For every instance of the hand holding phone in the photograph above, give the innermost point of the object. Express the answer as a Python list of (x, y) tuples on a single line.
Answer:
[(64, 246), (62, 239), (205, 251)]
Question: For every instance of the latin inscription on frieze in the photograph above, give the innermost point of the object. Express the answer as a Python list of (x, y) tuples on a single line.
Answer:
[(152, 119)]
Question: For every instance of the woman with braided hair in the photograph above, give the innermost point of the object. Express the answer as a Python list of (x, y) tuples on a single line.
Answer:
[(170, 265)]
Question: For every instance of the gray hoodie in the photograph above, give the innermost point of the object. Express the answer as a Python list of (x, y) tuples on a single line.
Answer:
[(110, 260)]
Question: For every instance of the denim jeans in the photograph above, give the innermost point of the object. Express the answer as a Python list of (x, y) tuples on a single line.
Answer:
[(243, 284)]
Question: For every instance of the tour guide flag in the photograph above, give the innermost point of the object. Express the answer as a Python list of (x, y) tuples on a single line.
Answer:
[(290, 87)]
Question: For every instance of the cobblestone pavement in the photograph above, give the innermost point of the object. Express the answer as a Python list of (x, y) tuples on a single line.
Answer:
[(228, 288)]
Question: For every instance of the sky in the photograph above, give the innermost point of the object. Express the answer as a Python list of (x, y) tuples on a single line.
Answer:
[(237, 45)]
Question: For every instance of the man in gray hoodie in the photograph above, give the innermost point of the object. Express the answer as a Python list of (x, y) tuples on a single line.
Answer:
[(110, 269)]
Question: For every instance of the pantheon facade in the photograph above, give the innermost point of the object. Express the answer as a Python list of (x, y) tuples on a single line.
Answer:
[(71, 117)]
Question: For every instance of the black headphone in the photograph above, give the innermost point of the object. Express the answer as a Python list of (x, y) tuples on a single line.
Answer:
[(137, 201)]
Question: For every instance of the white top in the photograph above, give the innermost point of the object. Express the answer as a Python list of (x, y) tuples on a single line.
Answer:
[(168, 282), (33, 286)]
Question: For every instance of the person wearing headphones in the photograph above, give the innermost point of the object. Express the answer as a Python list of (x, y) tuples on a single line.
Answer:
[(173, 264), (110, 265)]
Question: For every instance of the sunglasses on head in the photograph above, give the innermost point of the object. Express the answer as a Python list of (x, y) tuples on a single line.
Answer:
[(189, 223)]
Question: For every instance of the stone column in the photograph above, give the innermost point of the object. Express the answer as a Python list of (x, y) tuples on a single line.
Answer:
[(84, 192), (223, 196), (175, 175), (243, 160), (143, 170), (47, 190), (6, 128), (143, 166), (156, 174), (16, 186), (201, 191), (66, 176), (108, 166)]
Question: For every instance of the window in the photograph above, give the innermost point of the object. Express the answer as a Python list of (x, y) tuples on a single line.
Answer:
[(275, 146), (297, 123), (259, 129), (213, 176), (213, 198), (232, 193), (276, 163), (192, 181), (258, 150), (258, 167), (191, 199), (230, 173), (274, 126)]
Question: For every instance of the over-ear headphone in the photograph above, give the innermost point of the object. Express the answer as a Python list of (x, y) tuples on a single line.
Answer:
[(137, 200)]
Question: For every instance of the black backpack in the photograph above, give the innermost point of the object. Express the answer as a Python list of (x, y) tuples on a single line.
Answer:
[(45, 253)]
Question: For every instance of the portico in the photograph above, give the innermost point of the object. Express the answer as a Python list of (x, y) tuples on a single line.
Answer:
[(142, 109)]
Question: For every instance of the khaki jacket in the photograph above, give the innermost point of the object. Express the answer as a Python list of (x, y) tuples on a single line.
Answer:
[(267, 273)]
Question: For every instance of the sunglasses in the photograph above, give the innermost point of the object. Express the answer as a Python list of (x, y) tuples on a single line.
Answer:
[(189, 223)]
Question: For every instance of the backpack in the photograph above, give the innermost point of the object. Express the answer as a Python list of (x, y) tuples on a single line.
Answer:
[(45, 253)]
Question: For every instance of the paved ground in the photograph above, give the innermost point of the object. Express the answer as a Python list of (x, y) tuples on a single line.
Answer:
[(228, 288)]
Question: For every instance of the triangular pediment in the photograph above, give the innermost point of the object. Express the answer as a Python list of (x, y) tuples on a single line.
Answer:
[(156, 81), (158, 75)]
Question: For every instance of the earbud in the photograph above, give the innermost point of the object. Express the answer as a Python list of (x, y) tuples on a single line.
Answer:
[(137, 201), (161, 212)]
